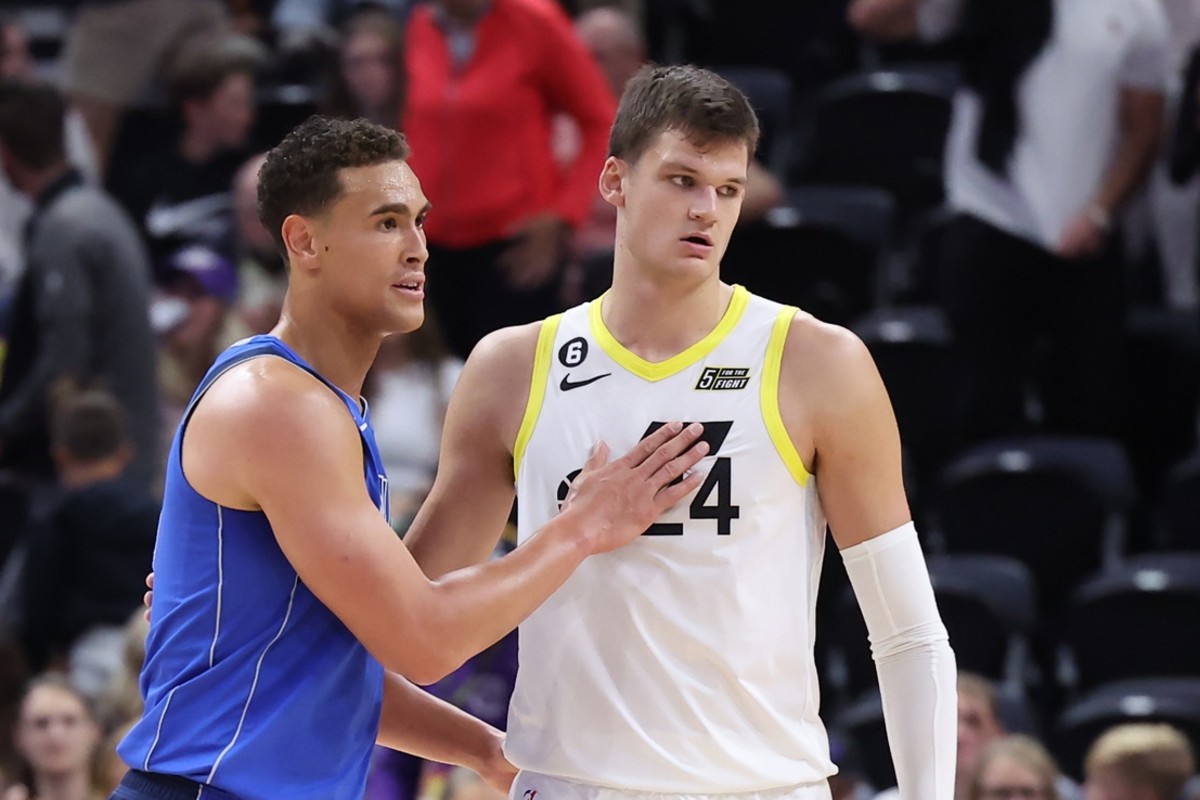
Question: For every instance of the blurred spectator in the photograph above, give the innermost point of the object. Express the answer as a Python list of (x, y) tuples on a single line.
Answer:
[(117, 48), (122, 701), (182, 199), (80, 315), (1014, 768), (1057, 126), (409, 387), (262, 274), (486, 80), (979, 727), (1138, 762), (611, 35), (16, 63), (88, 557), (1165, 219), (368, 80), (57, 735), (180, 195)]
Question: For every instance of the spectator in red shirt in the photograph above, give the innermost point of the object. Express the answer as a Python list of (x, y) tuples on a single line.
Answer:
[(486, 80)]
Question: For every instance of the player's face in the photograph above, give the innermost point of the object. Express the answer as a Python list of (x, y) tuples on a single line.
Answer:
[(680, 203), (371, 245), (55, 734)]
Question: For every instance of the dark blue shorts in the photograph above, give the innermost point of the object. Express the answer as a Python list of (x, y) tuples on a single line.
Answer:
[(138, 785)]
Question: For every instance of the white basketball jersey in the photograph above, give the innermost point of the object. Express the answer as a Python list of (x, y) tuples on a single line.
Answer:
[(681, 663)]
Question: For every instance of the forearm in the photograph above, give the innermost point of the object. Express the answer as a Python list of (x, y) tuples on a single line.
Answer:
[(1131, 165), (473, 608), (913, 659), (920, 711), (416, 722)]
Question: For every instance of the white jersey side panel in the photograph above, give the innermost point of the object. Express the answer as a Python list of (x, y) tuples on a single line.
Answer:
[(681, 663)]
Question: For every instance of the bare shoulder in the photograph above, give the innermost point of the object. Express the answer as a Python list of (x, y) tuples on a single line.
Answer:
[(494, 385), (825, 361), (262, 413)]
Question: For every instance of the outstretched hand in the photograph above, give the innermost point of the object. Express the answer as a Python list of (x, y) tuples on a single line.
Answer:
[(623, 498)]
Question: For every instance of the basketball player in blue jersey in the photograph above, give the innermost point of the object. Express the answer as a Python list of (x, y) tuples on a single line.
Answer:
[(289, 619), (681, 665)]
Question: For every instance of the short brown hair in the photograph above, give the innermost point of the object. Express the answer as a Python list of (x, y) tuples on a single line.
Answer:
[(301, 173), (698, 103), (204, 64), (31, 123), (1158, 756), (89, 425), (974, 685), (1026, 751)]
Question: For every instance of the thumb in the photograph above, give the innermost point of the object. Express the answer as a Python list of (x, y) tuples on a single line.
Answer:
[(598, 457)]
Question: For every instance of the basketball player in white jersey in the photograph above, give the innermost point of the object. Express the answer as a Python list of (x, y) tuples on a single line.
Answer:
[(682, 665)]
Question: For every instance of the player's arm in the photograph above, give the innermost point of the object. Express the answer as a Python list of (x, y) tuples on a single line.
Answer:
[(461, 520), (414, 721), (270, 436), (835, 404)]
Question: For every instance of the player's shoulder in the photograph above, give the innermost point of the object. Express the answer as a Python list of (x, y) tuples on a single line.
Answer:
[(824, 357), (822, 343), (265, 397), (507, 348)]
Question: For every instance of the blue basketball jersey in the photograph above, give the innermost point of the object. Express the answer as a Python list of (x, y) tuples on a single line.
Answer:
[(251, 684)]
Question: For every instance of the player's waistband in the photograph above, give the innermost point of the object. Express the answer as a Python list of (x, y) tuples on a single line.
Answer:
[(534, 786), (138, 785)]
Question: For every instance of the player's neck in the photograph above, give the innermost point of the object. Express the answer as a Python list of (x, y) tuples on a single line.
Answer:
[(657, 321), (340, 352)]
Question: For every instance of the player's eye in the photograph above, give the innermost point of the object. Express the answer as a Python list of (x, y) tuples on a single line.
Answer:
[(683, 180), (388, 224)]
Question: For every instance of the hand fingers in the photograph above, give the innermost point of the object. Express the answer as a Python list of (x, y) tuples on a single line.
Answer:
[(150, 581), (669, 495), (672, 447), (679, 465), (147, 600), (598, 457), (646, 447)]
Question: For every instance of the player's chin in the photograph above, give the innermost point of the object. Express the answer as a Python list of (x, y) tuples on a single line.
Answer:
[(407, 320)]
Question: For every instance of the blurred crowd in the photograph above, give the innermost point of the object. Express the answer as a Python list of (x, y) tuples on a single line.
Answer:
[(999, 198)]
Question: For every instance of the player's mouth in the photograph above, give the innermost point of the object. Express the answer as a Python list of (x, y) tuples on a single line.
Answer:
[(411, 285), (697, 244)]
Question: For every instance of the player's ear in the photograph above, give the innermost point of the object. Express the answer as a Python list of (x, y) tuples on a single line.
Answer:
[(299, 240), (612, 181)]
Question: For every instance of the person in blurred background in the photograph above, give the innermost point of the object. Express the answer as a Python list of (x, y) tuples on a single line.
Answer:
[(486, 81), (57, 734), (1055, 129), (1014, 768), (368, 78), (1138, 761)]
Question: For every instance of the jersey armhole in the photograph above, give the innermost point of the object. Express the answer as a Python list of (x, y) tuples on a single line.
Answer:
[(537, 389), (770, 397)]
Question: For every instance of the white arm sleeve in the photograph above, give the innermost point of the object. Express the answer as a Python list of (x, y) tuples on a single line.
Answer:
[(913, 659)]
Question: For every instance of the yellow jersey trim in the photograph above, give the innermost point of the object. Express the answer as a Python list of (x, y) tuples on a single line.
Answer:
[(656, 371), (770, 397), (537, 388)]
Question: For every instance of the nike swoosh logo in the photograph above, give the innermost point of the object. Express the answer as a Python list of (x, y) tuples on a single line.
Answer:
[(180, 218), (567, 384)]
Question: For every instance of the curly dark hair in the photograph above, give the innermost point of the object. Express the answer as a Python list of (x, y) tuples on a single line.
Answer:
[(694, 101), (300, 174)]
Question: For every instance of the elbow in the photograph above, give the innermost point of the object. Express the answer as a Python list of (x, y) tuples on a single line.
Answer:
[(423, 655)]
